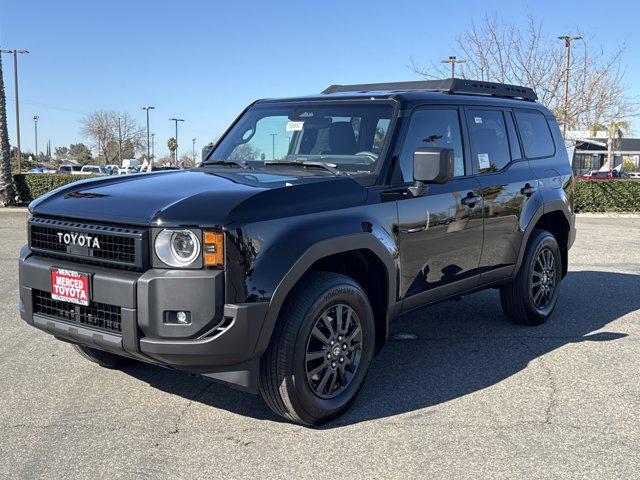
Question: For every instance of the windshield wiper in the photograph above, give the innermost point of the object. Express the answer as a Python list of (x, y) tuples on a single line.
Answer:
[(230, 163), (330, 167)]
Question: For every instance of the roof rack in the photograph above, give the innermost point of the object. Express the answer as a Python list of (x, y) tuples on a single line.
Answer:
[(449, 85)]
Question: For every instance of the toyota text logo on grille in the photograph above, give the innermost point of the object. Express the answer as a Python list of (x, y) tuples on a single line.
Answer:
[(80, 239)]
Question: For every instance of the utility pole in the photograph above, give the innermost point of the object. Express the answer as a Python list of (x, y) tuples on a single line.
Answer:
[(119, 141), (453, 60), (149, 158), (273, 145), (35, 124), (175, 154), (15, 78), (567, 57), (193, 151)]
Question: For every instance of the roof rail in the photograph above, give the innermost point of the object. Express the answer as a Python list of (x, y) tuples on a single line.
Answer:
[(449, 85)]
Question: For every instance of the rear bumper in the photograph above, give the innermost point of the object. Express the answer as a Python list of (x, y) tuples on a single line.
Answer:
[(220, 342)]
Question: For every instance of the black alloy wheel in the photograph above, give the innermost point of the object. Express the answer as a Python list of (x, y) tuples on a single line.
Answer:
[(543, 279), (334, 349), (531, 297)]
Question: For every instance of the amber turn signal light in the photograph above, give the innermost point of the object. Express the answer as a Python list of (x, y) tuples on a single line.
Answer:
[(213, 249)]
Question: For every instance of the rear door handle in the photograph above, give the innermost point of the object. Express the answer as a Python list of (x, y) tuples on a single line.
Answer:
[(527, 190), (470, 200)]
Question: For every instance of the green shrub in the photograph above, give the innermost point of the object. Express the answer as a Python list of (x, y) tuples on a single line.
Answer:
[(30, 186), (607, 196)]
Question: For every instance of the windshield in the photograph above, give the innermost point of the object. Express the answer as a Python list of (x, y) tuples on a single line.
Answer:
[(349, 136)]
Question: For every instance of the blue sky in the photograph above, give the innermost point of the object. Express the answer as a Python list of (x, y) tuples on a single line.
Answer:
[(204, 61)]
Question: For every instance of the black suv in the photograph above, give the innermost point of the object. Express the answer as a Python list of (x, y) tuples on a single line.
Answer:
[(277, 264)]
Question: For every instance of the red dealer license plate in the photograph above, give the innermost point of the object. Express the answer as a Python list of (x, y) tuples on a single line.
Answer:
[(70, 286)]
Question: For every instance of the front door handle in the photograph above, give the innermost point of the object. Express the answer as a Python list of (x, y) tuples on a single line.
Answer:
[(470, 200), (527, 190)]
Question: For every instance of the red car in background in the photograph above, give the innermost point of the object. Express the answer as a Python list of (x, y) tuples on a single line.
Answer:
[(606, 175)]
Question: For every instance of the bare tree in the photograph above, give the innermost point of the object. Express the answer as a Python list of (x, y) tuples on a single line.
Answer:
[(7, 193), (500, 52), (186, 161), (113, 132)]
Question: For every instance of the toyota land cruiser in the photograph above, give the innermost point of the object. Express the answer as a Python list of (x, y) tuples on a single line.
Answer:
[(278, 263)]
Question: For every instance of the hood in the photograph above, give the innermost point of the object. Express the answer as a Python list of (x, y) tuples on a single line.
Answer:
[(199, 197)]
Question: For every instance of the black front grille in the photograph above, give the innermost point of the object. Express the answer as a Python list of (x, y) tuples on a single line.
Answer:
[(123, 247), (97, 315)]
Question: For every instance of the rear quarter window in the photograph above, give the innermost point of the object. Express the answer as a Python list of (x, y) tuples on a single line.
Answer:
[(535, 134)]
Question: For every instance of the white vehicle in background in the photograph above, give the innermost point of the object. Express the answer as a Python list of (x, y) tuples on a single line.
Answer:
[(634, 175), (127, 170), (93, 170), (130, 162)]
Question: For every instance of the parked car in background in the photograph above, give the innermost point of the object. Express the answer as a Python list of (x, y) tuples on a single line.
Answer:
[(112, 169), (127, 170), (606, 175), (93, 170), (634, 175), (619, 175), (70, 169), (130, 162), (160, 168), (596, 175)]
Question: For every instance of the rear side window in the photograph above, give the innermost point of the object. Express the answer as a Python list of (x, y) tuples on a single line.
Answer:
[(535, 134), (490, 139)]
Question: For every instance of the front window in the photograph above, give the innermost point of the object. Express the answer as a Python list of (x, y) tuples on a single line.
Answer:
[(348, 136)]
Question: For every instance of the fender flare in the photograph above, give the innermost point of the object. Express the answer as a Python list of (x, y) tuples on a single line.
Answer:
[(324, 248), (552, 206)]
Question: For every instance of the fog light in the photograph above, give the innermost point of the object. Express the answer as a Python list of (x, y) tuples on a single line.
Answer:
[(177, 318)]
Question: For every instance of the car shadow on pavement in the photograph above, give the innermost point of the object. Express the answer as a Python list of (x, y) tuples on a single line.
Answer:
[(461, 347)]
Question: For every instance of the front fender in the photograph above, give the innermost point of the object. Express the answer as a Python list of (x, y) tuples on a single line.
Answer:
[(317, 251), (280, 253)]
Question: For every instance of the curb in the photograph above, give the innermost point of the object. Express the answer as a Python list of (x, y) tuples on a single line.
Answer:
[(609, 215), (13, 210)]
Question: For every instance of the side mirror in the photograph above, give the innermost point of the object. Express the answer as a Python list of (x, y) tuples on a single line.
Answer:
[(431, 165)]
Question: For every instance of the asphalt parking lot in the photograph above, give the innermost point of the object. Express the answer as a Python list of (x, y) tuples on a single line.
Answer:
[(472, 397)]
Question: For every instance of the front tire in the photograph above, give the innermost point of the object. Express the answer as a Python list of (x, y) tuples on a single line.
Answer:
[(320, 351), (102, 358), (532, 296)]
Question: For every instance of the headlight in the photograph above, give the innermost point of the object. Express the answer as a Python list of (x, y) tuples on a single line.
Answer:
[(177, 248)]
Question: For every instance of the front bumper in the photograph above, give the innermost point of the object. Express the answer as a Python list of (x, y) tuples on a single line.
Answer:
[(220, 342)]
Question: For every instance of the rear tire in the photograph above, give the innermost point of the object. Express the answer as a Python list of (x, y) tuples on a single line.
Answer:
[(102, 358), (532, 296), (320, 350)]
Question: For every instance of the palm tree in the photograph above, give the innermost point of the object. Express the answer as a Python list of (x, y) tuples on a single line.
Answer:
[(615, 131), (172, 144), (7, 193)]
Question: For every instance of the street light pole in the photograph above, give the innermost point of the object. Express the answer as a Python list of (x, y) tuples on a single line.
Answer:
[(193, 151), (175, 154), (119, 141), (15, 78), (149, 157), (35, 124), (567, 57), (453, 60)]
